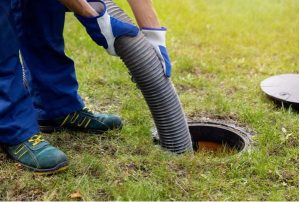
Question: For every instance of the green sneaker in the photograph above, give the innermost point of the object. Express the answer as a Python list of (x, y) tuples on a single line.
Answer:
[(38, 155), (83, 120)]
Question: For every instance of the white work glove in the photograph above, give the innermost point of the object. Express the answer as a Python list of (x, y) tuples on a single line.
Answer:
[(104, 29), (157, 37)]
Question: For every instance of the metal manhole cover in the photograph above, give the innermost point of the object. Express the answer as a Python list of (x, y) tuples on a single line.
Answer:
[(283, 88)]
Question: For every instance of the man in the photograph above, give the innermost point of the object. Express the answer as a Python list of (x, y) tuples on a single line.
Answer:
[(52, 81)]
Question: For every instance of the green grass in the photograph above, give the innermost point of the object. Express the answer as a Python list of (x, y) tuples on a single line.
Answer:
[(221, 51)]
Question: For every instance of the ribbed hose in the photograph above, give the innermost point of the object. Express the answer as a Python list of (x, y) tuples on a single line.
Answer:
[(146, 69)]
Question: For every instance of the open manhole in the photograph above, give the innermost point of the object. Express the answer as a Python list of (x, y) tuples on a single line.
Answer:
[(216, 137)]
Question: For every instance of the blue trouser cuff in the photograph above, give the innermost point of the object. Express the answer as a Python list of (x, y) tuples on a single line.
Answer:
[(59, 112)]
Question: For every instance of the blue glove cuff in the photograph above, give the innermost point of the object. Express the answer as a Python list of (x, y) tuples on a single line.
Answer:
[(104, 29), (154, 29)]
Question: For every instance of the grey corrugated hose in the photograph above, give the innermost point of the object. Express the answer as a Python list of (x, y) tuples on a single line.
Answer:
[(146, 69)]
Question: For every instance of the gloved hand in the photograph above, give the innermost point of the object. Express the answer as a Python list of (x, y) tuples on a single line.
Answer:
[(104, 29), (157, 37)]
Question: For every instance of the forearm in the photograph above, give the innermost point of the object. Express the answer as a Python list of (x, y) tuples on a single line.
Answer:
[(144, 13), (80, 7)]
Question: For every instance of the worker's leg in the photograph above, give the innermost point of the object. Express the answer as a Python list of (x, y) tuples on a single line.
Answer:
[(53, 84), (17, 118), (18, 123)]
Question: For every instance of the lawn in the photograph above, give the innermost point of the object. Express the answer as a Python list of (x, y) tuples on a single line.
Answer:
[(221, 51)]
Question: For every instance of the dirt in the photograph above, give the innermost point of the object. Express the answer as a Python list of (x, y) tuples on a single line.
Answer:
[(215, 147)]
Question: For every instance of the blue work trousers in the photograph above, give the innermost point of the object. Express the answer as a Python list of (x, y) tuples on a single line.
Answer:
[(38, 24), (50, 73), (17, 116)]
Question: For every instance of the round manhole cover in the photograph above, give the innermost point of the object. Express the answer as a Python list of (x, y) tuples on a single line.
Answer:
[(283, 88)]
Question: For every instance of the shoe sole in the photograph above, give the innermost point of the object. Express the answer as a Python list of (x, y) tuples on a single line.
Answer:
[(49, 171), (51, 129), (60, 170)]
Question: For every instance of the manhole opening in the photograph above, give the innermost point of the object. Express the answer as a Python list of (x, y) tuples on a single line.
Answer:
[(216, 137)]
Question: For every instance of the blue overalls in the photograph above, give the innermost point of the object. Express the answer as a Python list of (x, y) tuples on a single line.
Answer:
[(17, 117), (50, 73)]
